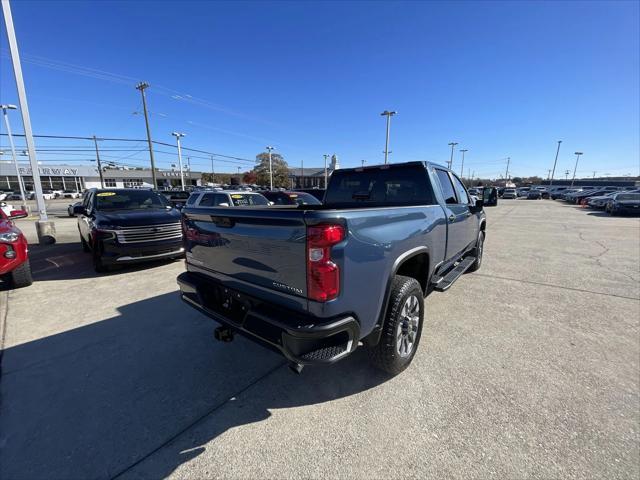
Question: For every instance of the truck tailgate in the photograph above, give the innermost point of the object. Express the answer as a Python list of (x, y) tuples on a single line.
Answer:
[(265, 247)]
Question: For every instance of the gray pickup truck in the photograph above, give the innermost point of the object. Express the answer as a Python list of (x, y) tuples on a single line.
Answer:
[(314, 282)]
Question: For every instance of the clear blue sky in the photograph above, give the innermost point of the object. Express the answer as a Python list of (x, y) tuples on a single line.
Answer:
[(504, 79)]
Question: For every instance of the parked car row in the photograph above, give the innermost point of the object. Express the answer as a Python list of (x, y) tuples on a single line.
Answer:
[(613, 200), (47, 194)]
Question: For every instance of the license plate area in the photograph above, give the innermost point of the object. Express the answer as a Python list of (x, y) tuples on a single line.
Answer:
[(230, 304)]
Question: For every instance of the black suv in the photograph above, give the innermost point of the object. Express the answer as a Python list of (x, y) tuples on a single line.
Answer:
[(124, 225)]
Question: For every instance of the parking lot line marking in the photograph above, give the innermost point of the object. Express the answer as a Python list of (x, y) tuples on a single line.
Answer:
[(556, 286)]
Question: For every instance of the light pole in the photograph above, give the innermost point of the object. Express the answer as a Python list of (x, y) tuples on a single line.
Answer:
[(142, 86), (576, 167), (178, 136), (566, 174), (13, 151), (325, 170), (45, 229), (269, 149), (553, 172), (506, 175), (95, 142), (213, 176), (452, 145), (388, 114), (464, 150), (363, 162)]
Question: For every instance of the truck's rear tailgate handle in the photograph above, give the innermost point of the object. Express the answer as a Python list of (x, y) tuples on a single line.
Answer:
[(224, 222)]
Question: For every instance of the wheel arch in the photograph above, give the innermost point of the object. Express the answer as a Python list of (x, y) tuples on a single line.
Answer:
[(414, 263)]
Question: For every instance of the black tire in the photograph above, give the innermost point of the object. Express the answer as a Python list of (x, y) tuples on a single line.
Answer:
[(21, 276), (398, 328), (98, 265), (479, 250), (85, 245)]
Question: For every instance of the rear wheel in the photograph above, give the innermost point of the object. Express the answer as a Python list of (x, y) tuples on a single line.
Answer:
[(402, 327), (21, 276)]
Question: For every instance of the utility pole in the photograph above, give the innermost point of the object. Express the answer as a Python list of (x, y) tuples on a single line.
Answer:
[(594, 174), (566, 174), (553, 172), (464, 150), (212, 173), (576, 167), (325, 170), (189, 168), (363, 162), (548, 174), (178, 136), (45, 229), (388, 114), (269, 149), (13, 152), (452, 145), (95, 142), (506, 175), (142, 86), (302, 173)]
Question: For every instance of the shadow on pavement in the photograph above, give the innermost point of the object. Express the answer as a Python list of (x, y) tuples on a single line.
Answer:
[(93, 401), (67, 261)]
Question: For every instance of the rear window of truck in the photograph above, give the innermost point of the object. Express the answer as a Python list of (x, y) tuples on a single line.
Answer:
[(381, 186)]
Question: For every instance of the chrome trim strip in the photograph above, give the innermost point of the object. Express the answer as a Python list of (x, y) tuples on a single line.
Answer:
[(127, 258)]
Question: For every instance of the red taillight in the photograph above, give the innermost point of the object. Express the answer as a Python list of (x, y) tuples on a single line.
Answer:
[(323, 276)]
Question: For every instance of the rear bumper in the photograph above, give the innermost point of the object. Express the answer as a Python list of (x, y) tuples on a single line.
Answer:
[(301, 338)]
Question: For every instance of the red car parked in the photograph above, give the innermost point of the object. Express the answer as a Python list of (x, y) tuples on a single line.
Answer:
[(14, 260)]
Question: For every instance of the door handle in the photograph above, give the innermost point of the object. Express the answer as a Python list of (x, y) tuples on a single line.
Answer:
[(452, 218)]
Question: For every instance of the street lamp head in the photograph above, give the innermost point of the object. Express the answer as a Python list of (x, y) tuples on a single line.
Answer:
[(142, 86), (453, 144), (578, 153), (8, 107), (464, 150), (559, 141), (387, 112), (269, 148), (177, 134)]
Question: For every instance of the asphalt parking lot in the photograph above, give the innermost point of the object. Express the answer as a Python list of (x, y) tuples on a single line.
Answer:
[(528, 368)]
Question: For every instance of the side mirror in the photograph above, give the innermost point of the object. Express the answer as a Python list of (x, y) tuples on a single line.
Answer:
[(224, 204), (271, 203), (476, 204), (79, 210), (13, 214)]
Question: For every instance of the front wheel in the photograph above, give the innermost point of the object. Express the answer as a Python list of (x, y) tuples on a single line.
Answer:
[(402, 327), (479, 250), (98, 264), (21, 276)]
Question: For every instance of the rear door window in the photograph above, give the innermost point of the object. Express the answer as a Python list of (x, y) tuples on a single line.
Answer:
[(448, 192), (206, 200)]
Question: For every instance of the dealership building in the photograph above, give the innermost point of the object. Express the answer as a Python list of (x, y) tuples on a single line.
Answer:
[(81, 177)]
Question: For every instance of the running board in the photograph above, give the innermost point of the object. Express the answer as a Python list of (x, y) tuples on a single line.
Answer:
[(440, 284)]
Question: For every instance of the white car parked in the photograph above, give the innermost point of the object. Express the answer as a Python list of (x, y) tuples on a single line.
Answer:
[(227, 198)]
